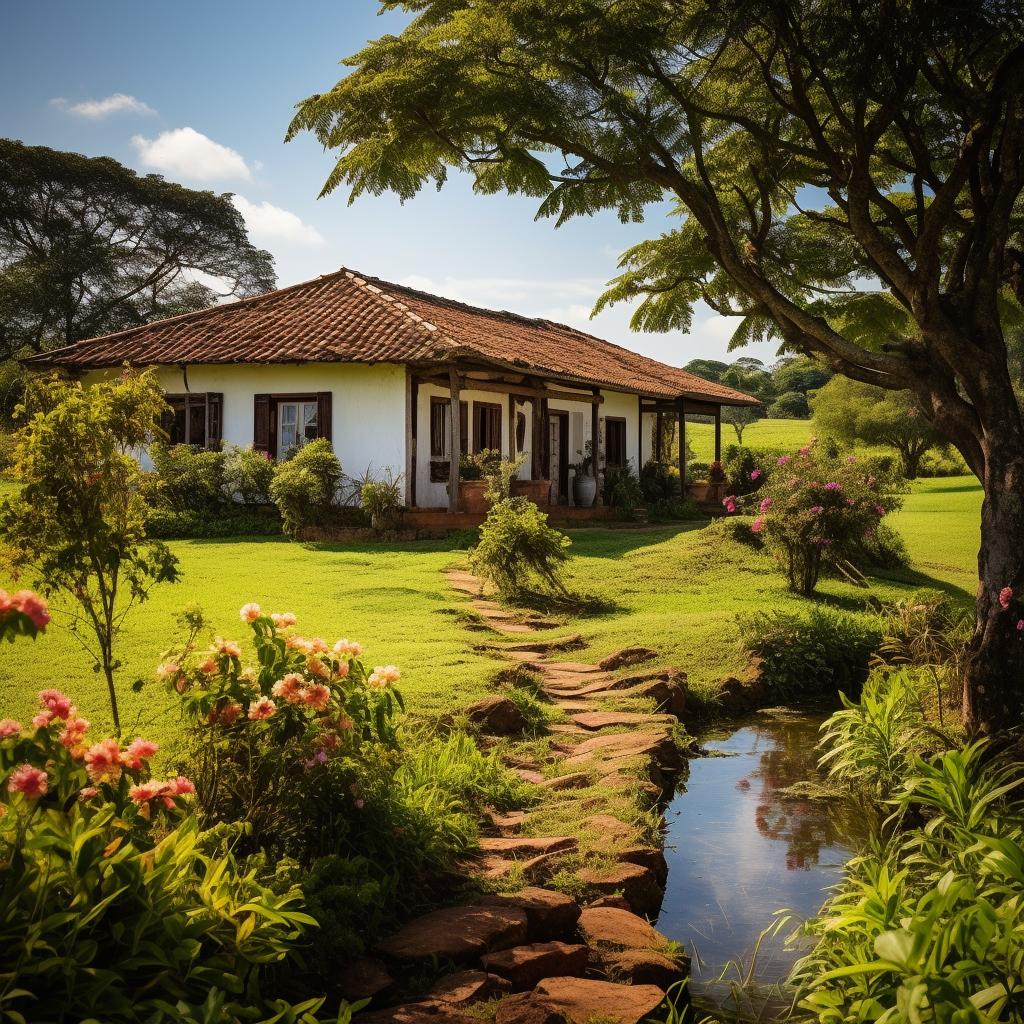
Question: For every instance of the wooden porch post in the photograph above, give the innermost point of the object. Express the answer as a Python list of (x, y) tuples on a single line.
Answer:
[(718, 433), (657, 435), (639, 434), (455, 432), (536, 440), (511, 427), (410, 433), (681, 414), (545, 439), (595, 448)]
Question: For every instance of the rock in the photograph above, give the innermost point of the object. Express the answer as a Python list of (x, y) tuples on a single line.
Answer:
[(498, 716), (643, 967), (578, 668), (510, 821), (619, 902), (668, 673), (637, 884), (529, 775), (611, 829), (363, 978), (658, 747), (466, 987), (527, 846), (580, 1000), (457, 932), (668, 697), (495, 866), (619, 929), (574, 780), (524, 966), (566, 643), (417, 1013), (549, 914), (620, 781), (524, 1009), (746, 691), (648, 857), (627, 656), (606, 719)]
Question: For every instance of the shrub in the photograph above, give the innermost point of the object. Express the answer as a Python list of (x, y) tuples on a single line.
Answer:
[(814, 508), (191, 479), (166, 524), (791, 405), (621, 490), (7, 444), (673, 510), (280, 743), (736, 528), (745, 469), (248, 474), (942, 462), (817, 653), (698, 471), (880, 548), (111, 910), (659, 482), (382, 501), (304, 487), (871, 744), (927, 927), (518, 551)]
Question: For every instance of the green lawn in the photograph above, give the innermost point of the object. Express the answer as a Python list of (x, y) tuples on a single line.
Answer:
[(766, 433), (672, 588)]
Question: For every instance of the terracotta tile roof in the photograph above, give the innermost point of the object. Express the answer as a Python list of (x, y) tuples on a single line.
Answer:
[(346, 317)]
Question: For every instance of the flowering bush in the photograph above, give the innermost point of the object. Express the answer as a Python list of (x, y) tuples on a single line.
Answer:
[(109, 909), (279, 741), (813, 507), (305, 486)]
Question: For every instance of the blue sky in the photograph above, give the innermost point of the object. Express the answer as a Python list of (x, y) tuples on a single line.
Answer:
[(203, 93)]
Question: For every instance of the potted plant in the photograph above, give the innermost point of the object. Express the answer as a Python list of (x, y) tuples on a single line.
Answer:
[(472, 485), (382, 499), (716, 481), (584, 482)]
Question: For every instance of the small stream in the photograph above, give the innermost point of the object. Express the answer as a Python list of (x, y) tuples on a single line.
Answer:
[(738, 849)]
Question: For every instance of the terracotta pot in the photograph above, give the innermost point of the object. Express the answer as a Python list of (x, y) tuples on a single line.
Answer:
[(472, 497), (698, 490), (538, 491)]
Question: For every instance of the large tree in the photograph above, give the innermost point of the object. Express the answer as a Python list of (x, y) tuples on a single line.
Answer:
[(854, 412), (88, 246), (847, 174)]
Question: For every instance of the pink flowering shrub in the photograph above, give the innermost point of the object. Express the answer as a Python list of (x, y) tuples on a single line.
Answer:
[(813, 508), (280, 740)]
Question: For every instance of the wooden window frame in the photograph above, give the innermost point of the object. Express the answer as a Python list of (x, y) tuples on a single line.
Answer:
[(212, 404), (440, 465), (272, 402), (495, 415), (608, 460)]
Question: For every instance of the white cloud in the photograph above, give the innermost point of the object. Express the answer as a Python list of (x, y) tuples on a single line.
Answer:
[(117, 103), (268, 223), (186, 153)]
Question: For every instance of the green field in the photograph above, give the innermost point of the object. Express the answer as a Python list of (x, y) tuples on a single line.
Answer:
[(672, 588), (789, 434)]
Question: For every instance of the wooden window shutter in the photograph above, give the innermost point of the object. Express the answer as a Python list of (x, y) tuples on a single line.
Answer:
[(261, 423), (214, 419), (323, 414), (464, 427)]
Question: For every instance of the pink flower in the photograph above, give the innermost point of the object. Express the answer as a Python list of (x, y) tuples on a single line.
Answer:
[(145, 791), (1020, 625), (817, 509), (138, 750), (757, 525), (729, 503), (317, 668), (806, 450), (103, 761), (345, 723), (183, 786), (228, 647), (341, 670), (31, 781), (755, 474), (33, 606), (43, 719), (208, 667), (851, 459), (249, 612), (88, 793), (229, 713), (318, 646), (879, 510), (1005, 597), (55, 702), (168, 670), (316, 696), (766, 503), (348, 649), (832, 486), (261, 709), (384, 676), (74, 732), (290, 688), (283, 620), (320, 757), (9, 727), (782, 460)]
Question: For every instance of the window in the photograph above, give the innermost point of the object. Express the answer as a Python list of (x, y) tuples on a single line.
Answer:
[(440, 446), (614, 441), (486, 426), (284, 423), (194, 419)]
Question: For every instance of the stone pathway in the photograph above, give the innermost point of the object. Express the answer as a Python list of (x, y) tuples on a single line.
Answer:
[(545, 958)]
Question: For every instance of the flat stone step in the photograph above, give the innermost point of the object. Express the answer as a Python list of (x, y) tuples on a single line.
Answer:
[(526, 846), (619, 929), (616, 746), (574, 780), (576, 667), (524, 966), (564, 643), (457, 932), (550, 914), (581, 1000), (495, 866), (606, 719)]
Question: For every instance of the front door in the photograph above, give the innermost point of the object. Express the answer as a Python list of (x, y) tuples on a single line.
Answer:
[(558, 457)]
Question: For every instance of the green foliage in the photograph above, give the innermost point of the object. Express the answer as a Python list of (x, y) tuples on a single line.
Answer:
[(673, 510), (621, 491), (739, 417), (871, 744), (91, 247), (248, 474), (165, 524), (817, 653), (929, 926), (943, 461), (790, 405), (191, 479), (382, 501), (305, 486), (659, 482), (815, 509), (746, 469), (855, 412), (881, 548), (531, 707), (78, 520), (518, 551)]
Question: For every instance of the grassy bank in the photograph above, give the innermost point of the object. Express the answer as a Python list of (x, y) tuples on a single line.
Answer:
[(674, 589)]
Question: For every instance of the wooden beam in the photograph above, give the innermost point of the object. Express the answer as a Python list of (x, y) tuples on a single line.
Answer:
[(536, 440), (523, 390), (454, 429), (511, 427), (411, 431), (639, 433), (681, 413), (545, 438), (657, 435), (595, 447)]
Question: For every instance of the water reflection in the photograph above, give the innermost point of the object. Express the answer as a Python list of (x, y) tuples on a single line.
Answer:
[(739, 848)]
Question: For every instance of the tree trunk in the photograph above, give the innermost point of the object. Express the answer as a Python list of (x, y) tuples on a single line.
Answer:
[(995, 663), (911, 462)]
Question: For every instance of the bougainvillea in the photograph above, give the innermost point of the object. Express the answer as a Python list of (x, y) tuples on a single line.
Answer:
[(812, 508)]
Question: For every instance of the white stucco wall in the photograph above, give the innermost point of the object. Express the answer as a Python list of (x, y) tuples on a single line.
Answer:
[(367, 404)]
